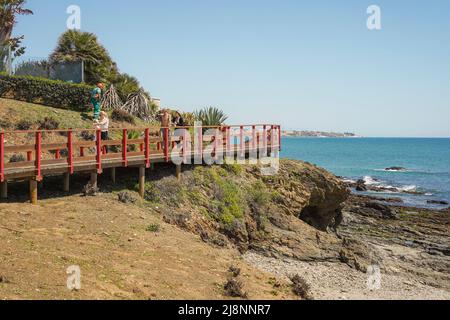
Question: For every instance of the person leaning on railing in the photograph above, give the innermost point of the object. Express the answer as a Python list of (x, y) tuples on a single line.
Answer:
[(103, 125)]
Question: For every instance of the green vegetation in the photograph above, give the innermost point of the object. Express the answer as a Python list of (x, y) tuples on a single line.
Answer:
[(258, 194), (9, 10), (122, 116), (74, 46), (211, 116), (155, 228), (46, 92), (18, 115)]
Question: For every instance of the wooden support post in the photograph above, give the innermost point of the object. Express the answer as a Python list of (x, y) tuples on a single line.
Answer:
[(94, 181), (178, 172), (4, 190), (99, 151), (124, 147), (66, 182), (113, 175), (2, 156), (147, 147), (38, 151), (142, 181), (70, 151), (33, 191)]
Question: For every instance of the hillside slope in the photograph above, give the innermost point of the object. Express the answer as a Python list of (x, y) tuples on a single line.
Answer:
[(13, 112)]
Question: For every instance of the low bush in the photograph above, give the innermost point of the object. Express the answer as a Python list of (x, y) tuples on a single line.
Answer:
[(300, 287), (48, 124), (44, 91), (122, 116), (155, 228), (126, 197), (16, 158), (24, 125), (234, 288)]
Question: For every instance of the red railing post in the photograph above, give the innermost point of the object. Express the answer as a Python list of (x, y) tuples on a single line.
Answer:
[(228, 131), (200, 142), (254, 145), (70, 151), (81, 151), (272, 138), (2, 156), (147, 147), (57, 154), (38, 151), (242, 142), (166, 144), (185, 135), (124, 147), (265, 139), (279, 138), (99, 150), (29, 155)]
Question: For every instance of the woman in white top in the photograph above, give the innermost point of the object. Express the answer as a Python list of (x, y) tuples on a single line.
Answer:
[(103, 124)]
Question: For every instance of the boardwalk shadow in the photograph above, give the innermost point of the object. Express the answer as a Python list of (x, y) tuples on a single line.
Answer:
[(126, 178)]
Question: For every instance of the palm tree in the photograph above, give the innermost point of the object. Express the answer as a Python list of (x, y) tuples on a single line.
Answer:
[(9, 10), (74, 46), (126, 85), (211, 116)]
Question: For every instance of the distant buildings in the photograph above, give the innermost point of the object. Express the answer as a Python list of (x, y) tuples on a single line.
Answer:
[(318, 134)]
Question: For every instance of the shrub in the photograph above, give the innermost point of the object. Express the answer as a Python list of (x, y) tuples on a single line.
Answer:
[(122, 116), (16, 158), (151, 193), (48, 124), (44, 91), (300, 287), (153, 228), (258, 194), (24, 125), (234, 288), (235, 271), (236, 169), (126, 197), (86, 135)]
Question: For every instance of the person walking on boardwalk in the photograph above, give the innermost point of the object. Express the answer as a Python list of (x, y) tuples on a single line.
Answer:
[(166, 120), (96, 97)]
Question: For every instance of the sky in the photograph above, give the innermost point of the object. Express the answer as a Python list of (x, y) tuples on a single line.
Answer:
[(307, 65)]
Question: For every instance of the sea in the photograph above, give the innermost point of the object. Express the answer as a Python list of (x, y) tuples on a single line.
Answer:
[(426, 160)]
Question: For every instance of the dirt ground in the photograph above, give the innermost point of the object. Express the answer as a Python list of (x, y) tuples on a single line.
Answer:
[(120, 256)]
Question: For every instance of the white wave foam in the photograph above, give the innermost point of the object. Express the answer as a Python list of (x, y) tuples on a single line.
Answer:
[(408, 188), (368, 180)]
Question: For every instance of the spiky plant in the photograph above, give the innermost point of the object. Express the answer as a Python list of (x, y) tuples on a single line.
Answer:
[(111, 100), (138, 105), (211, 116)]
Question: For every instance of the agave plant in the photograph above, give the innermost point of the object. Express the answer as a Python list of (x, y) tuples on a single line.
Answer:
[(210, 116)]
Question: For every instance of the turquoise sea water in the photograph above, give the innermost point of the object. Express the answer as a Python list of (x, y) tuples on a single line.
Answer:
[(427, 162)]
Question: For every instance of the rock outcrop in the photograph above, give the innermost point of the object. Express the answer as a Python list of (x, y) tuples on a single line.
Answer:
[(285, 214)]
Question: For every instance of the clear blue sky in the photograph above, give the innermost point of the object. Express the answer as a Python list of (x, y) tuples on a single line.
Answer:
[(304, 64)]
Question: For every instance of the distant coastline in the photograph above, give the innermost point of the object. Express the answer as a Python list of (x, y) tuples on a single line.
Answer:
[(318, 134)]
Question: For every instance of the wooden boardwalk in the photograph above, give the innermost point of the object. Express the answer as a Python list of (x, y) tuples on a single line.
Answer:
[(32, 155)]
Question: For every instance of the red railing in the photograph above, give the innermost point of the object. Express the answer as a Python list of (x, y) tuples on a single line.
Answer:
[(51, 150)]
